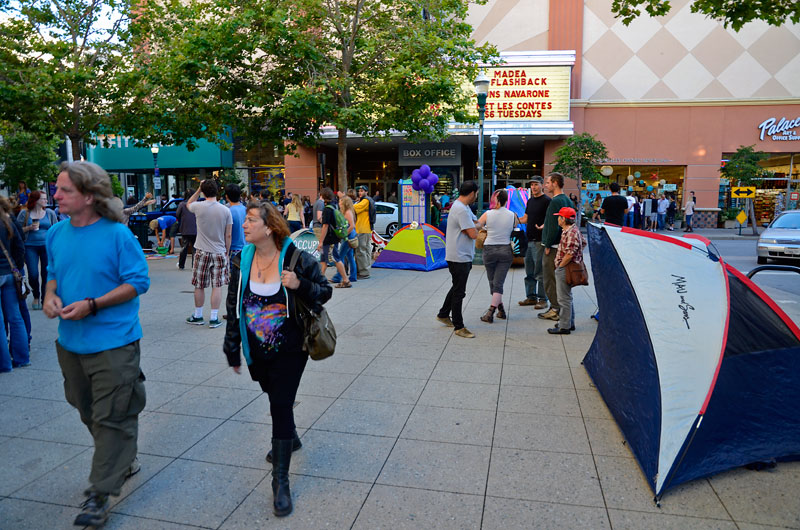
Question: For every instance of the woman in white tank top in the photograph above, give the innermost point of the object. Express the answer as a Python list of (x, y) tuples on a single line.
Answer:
[(497, 254)]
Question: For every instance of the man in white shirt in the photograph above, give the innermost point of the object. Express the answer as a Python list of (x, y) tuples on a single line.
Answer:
[(629, 214), (212, 246), (663, 204)]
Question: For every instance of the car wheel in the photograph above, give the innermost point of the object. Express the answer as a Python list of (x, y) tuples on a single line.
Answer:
[(761, 260), (391, 229)]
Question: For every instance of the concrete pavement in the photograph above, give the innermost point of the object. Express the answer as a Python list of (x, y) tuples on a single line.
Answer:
[(406, 426)]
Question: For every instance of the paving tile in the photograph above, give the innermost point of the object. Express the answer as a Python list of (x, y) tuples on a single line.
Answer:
[(440, 424), (354, 346), (172, 434), (345, 456), (307, 410), (66, 483), (208, 354), (625, 488), (763, 497), (538, 400), (541, 432), (364, 417), (628, 520), (460, 395), (581, 378), (21, 414), (606, 438), (467, 372), (67, 428), (463, 350), (26, 382), (169, 349), (27, 460), (407, 368), (127, 522), (186, 372), (230, 379), (324, 384), (20, 514), (394, 508), (542, 376), (211, 402), (437, 466), (592, 405), (533, 357), (559, 477), (159, 393), (194, 493), (216, 446), (501, 514), (411, 350), (340, 363), (386, 389), (319, 503), (151, 364)]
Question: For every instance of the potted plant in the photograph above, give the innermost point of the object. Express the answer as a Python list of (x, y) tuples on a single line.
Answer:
[(728, 217), (678, 220)]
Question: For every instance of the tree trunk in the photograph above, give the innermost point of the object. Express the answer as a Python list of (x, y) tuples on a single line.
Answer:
[(75, 147), (579, 206), (341, 144), (751, 210)]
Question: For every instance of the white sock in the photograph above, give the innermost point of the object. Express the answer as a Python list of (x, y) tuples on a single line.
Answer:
[(214, 314), (198, 312)]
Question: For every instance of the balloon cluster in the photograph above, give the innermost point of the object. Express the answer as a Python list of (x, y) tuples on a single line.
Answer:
[(423, 179)]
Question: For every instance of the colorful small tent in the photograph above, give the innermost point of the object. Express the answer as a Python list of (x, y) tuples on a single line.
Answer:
[(420, 249), (698, 366)]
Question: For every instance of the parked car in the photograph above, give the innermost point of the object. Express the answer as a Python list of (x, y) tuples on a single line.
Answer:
[(781, 239), (387, 219), (170, 208)]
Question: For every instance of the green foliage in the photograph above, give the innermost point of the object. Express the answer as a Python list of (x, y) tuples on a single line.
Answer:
[(733, 13), (116, 186), (27, 157), (58, 65), (743, 166), (579, 156), (729, 214)]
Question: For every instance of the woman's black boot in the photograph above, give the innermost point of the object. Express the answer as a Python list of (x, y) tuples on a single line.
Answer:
[(296, 444), (488, 316), (501, 312), (282, 497)]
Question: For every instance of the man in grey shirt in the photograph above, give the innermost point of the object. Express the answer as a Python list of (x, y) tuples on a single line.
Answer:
[(213, 243), (459, 253), (316, 216)]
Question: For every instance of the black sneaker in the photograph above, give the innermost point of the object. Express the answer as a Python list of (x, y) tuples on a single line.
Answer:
[(94, 511)]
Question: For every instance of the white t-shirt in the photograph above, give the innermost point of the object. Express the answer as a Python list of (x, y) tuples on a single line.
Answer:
[(212, 221), (631, 201), (459, 247), (499, 224)]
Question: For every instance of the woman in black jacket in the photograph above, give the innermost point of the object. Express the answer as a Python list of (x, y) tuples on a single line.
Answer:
[(263, 319), (19, 354)]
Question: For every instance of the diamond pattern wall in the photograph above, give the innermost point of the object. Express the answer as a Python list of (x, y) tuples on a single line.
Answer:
[(685, 56)]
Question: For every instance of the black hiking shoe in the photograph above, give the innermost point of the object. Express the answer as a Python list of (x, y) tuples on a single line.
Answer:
[(94, 511)]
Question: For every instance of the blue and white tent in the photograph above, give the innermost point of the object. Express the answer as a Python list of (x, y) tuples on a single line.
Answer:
[(698, 366)]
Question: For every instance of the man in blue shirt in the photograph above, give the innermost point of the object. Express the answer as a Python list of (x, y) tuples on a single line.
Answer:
[(96, 272), (234, 194)]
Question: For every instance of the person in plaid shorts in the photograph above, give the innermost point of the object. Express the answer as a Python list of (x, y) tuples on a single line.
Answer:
[(212, 246)]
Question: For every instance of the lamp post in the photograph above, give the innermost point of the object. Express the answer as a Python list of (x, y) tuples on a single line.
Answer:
[(156, 180), (481, 91), (493, 140)]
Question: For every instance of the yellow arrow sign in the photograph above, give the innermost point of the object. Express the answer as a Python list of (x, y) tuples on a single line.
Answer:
[(742, 217), (743, 192)]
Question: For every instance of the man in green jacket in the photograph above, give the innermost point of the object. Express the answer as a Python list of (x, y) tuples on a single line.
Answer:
[(551, 236)]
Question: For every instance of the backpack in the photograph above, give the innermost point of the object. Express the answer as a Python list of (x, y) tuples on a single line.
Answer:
[(341, 226), (373, 214)]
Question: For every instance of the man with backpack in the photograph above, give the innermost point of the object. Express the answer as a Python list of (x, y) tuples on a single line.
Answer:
[(365, 220), (334, 229)]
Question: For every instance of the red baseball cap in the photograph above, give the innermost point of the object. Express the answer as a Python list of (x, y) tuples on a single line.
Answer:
[(566, 211)]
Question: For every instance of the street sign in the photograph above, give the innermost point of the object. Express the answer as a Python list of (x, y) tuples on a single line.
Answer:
[(742, 217), (743, 192), (156, 183), (794, 196)]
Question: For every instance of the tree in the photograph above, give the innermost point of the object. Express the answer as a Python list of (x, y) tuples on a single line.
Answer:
[(733, 13), (58, 63), (578, 158), (286, 70), (743, 169), (26, 157)]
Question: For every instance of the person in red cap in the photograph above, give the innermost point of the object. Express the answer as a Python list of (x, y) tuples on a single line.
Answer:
[(569, 249)]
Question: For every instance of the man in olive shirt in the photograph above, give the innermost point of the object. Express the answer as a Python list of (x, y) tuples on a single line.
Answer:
[(551, 236)]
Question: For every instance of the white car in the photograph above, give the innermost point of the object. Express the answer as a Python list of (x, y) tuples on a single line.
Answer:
[(387, 218)]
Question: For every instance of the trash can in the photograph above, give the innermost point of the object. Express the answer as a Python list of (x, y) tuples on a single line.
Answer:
[(138, 225)]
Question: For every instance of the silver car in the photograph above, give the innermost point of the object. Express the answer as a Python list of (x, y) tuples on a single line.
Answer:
[(386, 218), (781, 239)]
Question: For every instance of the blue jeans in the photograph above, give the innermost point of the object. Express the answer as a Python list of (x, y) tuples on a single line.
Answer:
[(689, 222), (534, 273), (661, 217), (628, 219), (9, 308), (348, 256), (34, 255)]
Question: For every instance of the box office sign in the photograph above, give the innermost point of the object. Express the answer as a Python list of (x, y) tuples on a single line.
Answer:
[(528, 93), (448, 154)]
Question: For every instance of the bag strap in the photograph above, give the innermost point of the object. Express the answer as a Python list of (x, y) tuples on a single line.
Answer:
[(295, 257), (11, 264)]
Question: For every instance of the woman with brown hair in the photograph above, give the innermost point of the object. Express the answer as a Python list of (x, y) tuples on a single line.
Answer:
[(263, 319), (346, 251), (11, 241), (36, 220)]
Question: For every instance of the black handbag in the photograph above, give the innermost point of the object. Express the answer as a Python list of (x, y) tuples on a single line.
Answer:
[(319, 335), (20, 282)]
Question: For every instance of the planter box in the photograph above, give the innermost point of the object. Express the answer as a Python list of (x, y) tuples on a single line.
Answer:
[(678, 224), (731, 223)]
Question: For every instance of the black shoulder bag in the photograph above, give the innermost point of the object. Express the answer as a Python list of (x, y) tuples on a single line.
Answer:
[(319, 335)]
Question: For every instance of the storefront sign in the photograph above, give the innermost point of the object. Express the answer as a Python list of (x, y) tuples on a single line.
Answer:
[(780, 130), (670, 187), (528, 93), (592, 186), (794, 196), (431, 154)]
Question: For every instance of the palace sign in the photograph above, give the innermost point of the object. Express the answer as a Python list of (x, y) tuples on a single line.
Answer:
[(528, 93), (780, 130)]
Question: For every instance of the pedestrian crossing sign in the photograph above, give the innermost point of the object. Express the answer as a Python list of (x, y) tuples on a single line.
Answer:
[(742, 217)]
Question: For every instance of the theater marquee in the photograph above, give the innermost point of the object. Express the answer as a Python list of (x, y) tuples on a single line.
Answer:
[(528, 93)]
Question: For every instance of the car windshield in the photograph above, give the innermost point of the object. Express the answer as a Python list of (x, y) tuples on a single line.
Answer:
[(787, 220)]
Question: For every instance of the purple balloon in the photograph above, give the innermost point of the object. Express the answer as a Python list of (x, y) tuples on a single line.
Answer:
[(415, 179), (424, 170), (426, 186), (433, 178), (415, 185)]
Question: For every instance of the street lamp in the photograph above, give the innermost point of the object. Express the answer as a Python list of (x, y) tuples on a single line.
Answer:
[(493, 140), (481, 91), (156, 181)]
